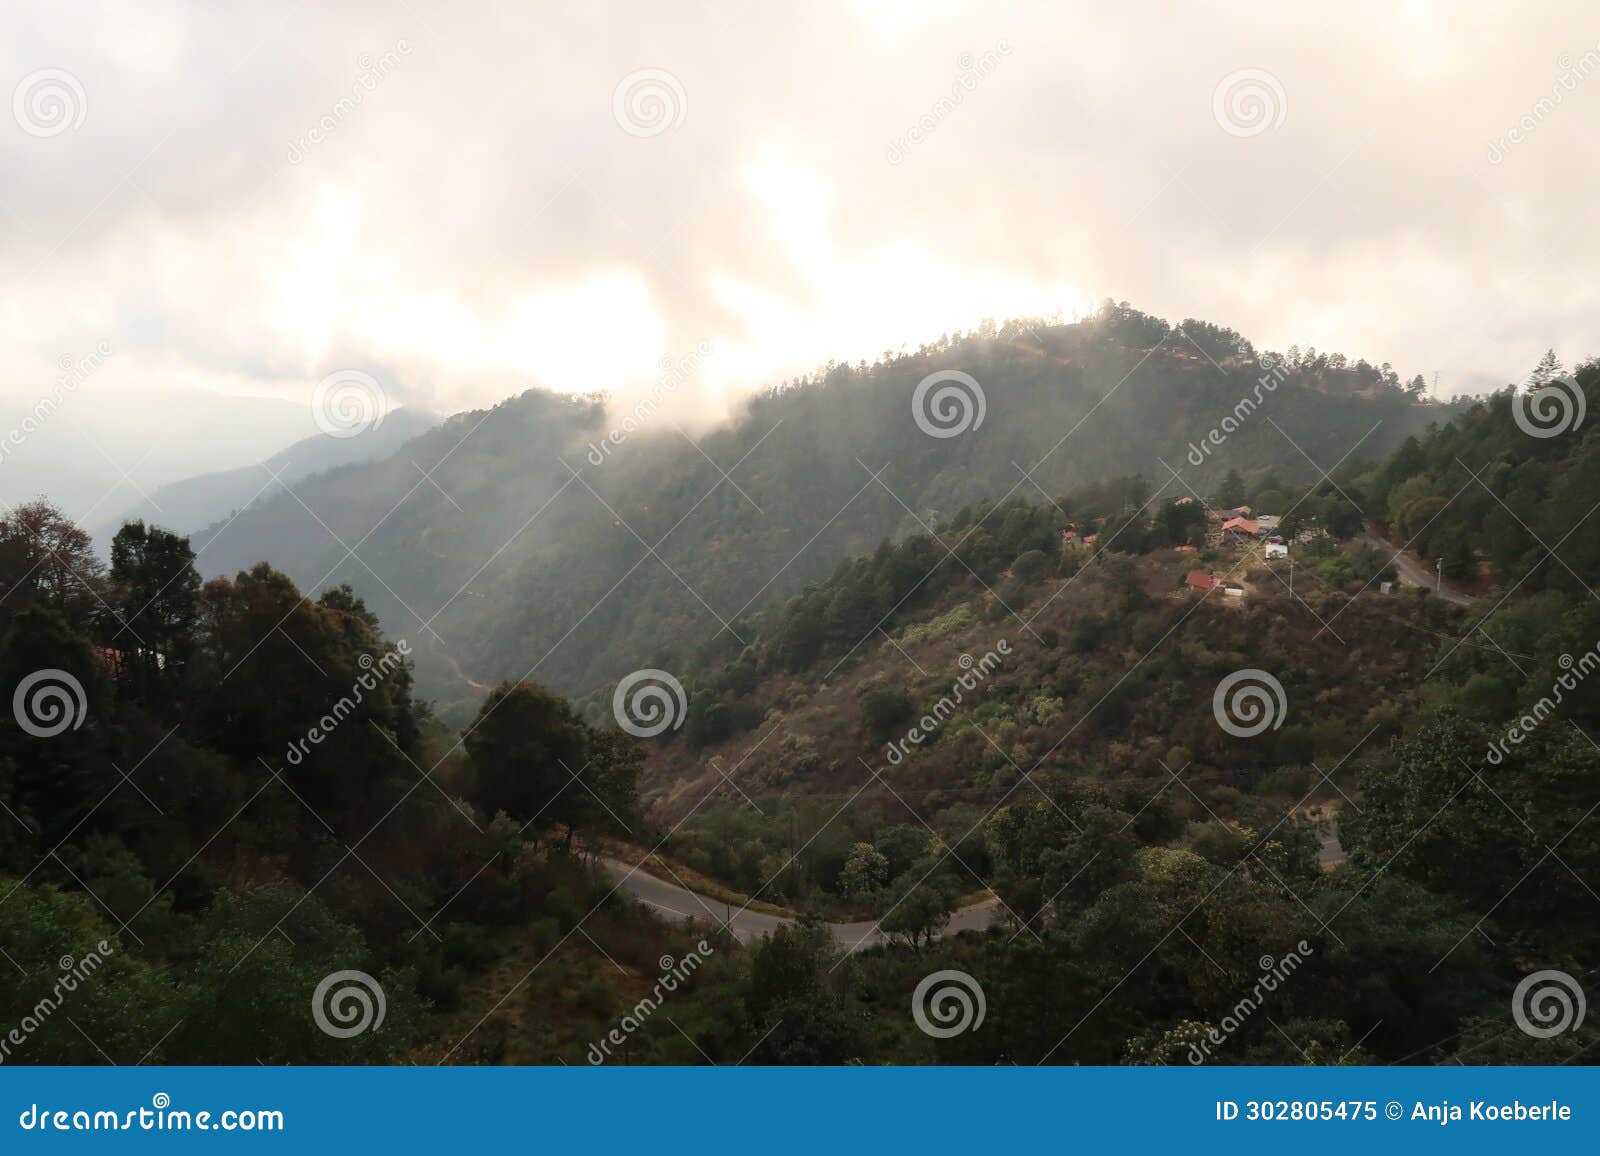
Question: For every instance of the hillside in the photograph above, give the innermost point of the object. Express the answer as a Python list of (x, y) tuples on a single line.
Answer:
[(191, 504), (1167, 791), (501, 563)]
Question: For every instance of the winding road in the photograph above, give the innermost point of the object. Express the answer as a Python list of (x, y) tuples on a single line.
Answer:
[(1414, 573), (681, 903)]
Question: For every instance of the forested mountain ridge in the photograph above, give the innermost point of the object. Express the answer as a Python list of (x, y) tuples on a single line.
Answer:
[(230, 848), (193, 503), (518, 553)]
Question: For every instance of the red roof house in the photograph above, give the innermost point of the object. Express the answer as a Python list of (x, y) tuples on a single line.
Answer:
[(1200, 580)]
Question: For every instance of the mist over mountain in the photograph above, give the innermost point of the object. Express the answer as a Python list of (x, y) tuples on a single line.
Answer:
[(93, 447), (525, 541), (191, 504)]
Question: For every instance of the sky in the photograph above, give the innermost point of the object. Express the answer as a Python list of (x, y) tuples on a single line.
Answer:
[(448, 203)]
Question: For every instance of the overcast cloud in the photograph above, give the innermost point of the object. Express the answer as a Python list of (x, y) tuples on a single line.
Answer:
[(446, 196)]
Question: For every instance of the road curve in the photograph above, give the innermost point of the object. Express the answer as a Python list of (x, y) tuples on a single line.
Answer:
[(680, 903), (1414, 573)]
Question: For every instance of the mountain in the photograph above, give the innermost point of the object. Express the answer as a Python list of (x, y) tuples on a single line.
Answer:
[(91, 446), (193, 503), (537, 546)]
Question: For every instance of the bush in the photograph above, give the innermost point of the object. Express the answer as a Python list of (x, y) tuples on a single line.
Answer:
[(884, 708)]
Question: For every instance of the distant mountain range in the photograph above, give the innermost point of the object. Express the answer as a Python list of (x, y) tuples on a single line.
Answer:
[(521, 542), (192, 504)]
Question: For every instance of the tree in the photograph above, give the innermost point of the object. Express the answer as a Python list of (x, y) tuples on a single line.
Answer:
[(1231, 493), (157, 595), (45, 559), (1548, 370), (922, 910), (526, 745), (1030, 566), (54, 746), (792, 1011), (883, 708), (866, 869)]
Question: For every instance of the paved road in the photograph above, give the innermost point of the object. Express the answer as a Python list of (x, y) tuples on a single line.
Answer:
[(1413, 572), (678, 903)]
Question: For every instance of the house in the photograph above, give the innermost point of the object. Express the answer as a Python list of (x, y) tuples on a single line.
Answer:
[(1186, 500), (1236, 512), (1277, 550), (1200, 580), (1243, 527), (112, 659)]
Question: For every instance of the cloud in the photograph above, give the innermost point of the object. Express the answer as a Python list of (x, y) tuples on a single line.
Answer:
[(256, 197)]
